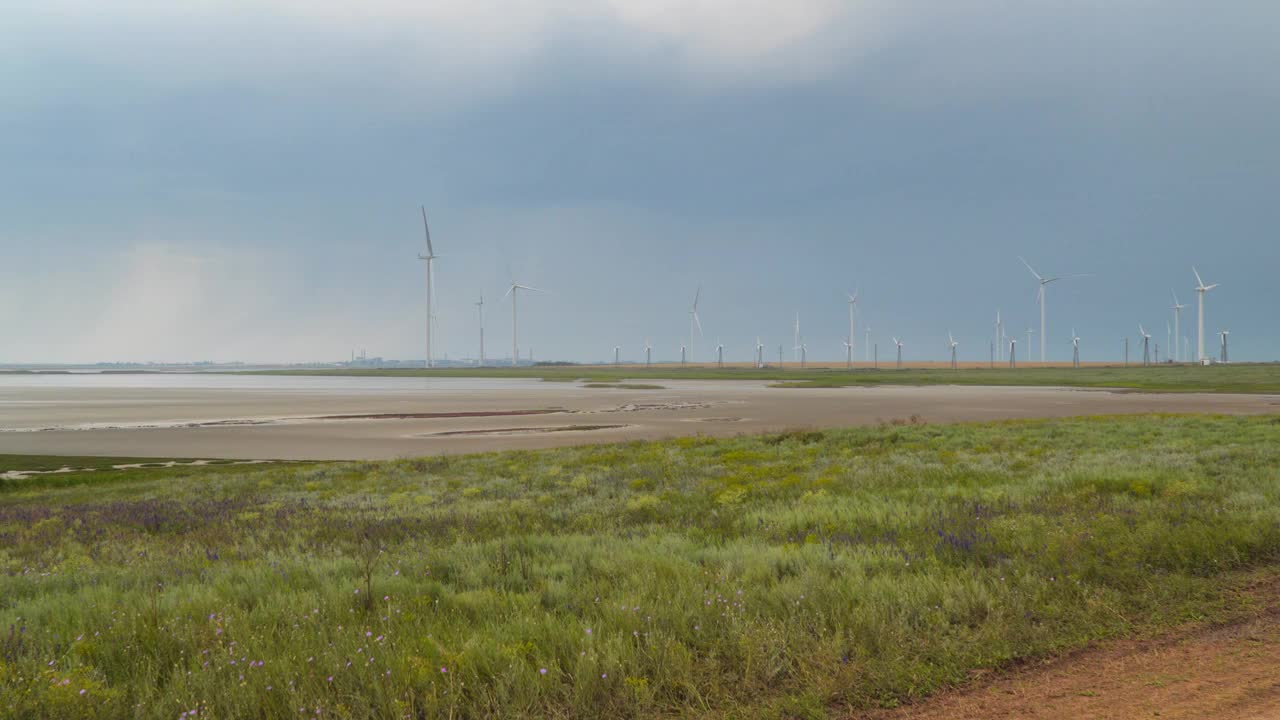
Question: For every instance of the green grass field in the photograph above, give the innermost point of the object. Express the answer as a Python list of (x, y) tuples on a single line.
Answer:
[(1250, 378), (793, 575)]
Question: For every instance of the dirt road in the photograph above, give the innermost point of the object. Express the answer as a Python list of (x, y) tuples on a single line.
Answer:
[(1230, 672)]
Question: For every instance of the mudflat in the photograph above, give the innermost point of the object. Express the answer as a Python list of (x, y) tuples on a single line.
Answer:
[(317, 418)]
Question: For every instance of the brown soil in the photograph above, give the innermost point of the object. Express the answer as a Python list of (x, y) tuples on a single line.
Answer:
[(523, 430), (1228, 671), (428, 416)]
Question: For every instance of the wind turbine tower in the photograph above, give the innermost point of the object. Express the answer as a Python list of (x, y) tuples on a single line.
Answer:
[(952, 344), (1224, 335), (853, 327), (1044, 282), (1201, 289), (480, 307), (1146, 341), (514, 292), (1029, 331), (1177, 325), (898, 343), (430, 259), (1075, 349)]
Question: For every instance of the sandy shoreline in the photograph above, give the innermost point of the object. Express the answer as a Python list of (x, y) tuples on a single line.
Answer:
[(349, 422)]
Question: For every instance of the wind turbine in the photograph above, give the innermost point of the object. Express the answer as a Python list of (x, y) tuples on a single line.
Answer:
[(1075, 349), (719, 354), (853, 326), (1146, 340), (480, 307), (999, 336), (617, 356), (1168, 338), (514, 292), (848, 350), (1177, 323), (953, 345), (898, 343), (430, 259), (1201, 289), (1029, 331), (867, 347), (1224, 334), (804, 352), (648, 353), (693, 322), (1044, 281), (682, 355), (1013, 354), (759, 353)]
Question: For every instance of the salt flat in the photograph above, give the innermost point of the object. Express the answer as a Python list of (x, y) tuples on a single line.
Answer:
[(333, 418)]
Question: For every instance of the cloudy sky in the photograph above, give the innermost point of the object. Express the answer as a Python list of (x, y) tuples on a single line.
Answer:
[(240, 180)]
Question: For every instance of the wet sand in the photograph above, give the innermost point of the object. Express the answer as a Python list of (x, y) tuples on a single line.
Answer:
[(376, 420)]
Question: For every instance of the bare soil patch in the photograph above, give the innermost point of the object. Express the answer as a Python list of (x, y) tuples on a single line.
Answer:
[(1225, 671)]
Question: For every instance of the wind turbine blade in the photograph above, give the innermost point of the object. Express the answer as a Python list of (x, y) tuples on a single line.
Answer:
[(1033, 271), (1175, 298), (533, 289), (427, 229), (697, 296), (698, 322), (1207, 288), (1199, 282), (509, 291)]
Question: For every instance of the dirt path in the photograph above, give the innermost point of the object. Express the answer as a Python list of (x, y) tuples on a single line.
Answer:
[(1223, 672)]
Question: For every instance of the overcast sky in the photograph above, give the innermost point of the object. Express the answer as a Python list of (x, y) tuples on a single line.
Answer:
[(241, 180)]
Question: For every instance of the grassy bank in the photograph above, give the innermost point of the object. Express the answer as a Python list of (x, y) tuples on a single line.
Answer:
[(789, 575), (1259, 378)]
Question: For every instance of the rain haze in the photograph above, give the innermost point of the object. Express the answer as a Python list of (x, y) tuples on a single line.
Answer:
[(241, 181)]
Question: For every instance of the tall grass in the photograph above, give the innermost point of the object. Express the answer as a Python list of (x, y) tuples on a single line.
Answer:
[(752, 577)]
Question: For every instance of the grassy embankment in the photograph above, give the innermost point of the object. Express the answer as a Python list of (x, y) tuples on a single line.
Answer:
[(790, 575), (1259, 378)]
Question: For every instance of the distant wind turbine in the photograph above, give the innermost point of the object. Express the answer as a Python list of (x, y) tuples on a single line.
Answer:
[(1201, 289), (853, 325), (952, 343), (430, 259), (480, 307), (1224, 334), (1177, 325), (1029, 331), (719, 354), (796, 348), (694, 321), (867, 347), (848, 350), (1146, 340), (1044, 282), (648, 353), (759, 353), (898, 344), (1075, 349), (617, 356), (514, 292)]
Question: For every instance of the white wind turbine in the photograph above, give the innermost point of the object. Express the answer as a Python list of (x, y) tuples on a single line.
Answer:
[(1044, 281), (694, 321), (430, 259), (952, 344), (1224, 334), (1075, 349), (759, 353), (848, 360), (999, 336), (514, 292), (617, 356), (898, 344), (1201, 289), (1029, 331), (1146, 341), (867, 347), (480, 307), (853, 324), (1177, 324), (648, 353), (719, 354)]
